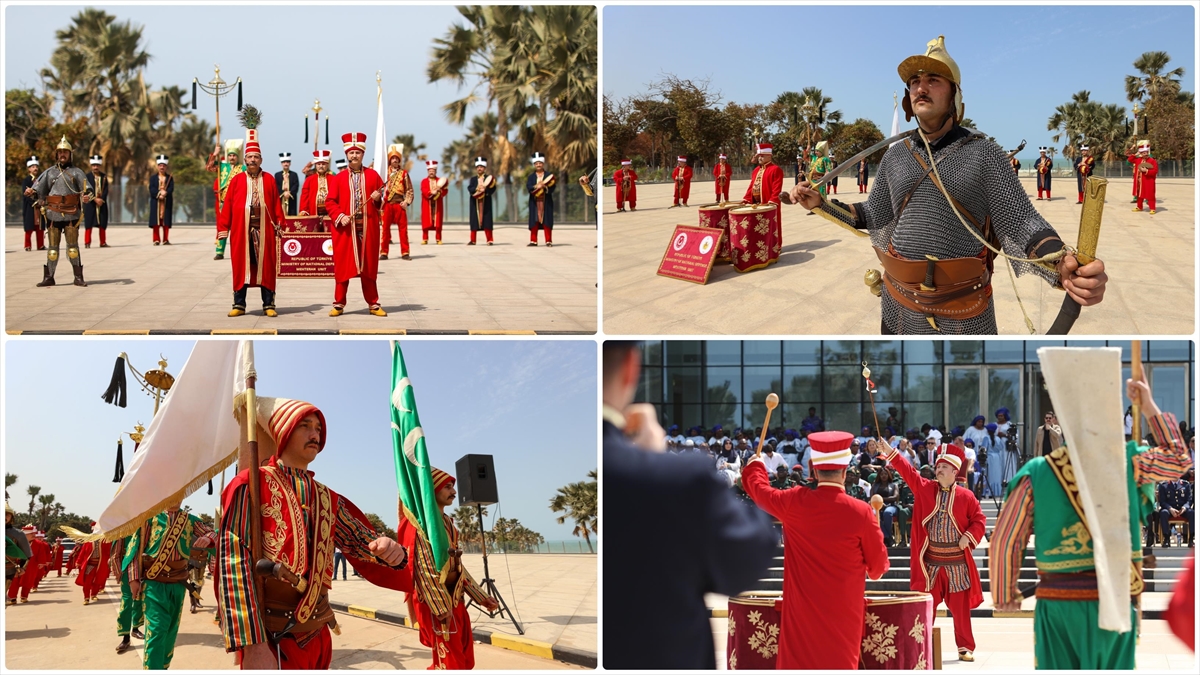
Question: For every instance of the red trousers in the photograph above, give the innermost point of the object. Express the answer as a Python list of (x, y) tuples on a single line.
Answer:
[(369, 289), (394, 214), (722, 191), (23, 582), (316, 655), (41, 239), (87, 236), (452, 643), (533, 231), (682, 195), (166, 232), (436, 226), (959, 606), (486, 233)]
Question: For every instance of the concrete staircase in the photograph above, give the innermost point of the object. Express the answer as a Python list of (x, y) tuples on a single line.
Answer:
[(1160, 580)]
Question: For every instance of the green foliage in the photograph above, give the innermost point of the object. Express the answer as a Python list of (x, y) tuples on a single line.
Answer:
[(577, 502), (381, 527)]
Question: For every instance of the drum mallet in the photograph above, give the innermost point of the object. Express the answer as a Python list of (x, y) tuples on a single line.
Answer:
[(772, 401)]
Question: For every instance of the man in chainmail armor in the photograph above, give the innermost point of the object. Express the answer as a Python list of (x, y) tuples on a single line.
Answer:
[(63, 188), (937, 272)]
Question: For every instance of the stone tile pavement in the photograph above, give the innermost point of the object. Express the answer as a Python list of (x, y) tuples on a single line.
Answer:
[(134, 285)]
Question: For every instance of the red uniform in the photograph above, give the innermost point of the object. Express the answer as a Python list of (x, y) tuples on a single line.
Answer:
[(313, 194), (833, 542), (1144, 183), (722, 174), (25, 581), (766, 182), (399, 187), (433, 209), (682, 175), (626, 180), (966, 518), (355, 245), (56, 562), (244, 230), (92, 561), (42, 554)]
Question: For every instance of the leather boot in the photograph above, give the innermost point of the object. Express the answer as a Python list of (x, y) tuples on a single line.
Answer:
[(47, 278), (78, 269)]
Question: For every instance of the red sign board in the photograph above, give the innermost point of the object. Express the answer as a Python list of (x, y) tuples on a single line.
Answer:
[(302, 255), (690, 253)]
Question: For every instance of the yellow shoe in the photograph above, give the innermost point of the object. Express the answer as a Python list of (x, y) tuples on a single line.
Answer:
[(378, 311), (424, 242), (1152, 212), (439, 243), (335, 312), (270, 312), (236, 312), (86, 601), (966, 656), (1136, 209)]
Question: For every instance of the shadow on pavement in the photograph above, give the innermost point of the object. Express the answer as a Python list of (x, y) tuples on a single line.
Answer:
[(569, 620), (35, 634), (345, 658)]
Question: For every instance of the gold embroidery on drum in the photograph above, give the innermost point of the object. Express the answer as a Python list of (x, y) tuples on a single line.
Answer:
[(880, 640), (918, 631), (765, 639)]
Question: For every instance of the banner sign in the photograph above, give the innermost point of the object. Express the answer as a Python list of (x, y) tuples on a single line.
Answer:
[(691, 253)]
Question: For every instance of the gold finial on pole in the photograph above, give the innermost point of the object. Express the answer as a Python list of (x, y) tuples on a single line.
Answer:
[(317, 106)]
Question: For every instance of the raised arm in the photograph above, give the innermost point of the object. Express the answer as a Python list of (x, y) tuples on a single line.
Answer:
[(1007, 548)]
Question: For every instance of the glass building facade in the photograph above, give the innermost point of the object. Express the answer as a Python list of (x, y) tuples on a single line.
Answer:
[(941, 382)]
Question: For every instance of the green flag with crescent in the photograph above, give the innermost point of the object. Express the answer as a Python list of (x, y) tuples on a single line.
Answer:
[(420, 515)]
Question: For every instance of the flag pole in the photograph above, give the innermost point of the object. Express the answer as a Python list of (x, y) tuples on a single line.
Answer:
[(248, 458), (1135, 371)]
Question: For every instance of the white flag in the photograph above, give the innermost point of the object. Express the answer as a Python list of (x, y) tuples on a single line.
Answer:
[(379, 163), (193, 437)]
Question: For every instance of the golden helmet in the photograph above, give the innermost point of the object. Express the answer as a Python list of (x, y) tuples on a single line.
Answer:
[(935, 60), (64, 145)]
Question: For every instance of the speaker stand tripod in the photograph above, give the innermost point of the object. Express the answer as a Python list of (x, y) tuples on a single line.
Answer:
[(488, 583)]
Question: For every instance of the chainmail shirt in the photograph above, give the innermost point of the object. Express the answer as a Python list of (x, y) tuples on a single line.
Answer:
[(59, 182), (977, 173)]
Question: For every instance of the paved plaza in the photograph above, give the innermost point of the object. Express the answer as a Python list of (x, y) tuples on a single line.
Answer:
[(817, 285), (135, 286), (55, 631)]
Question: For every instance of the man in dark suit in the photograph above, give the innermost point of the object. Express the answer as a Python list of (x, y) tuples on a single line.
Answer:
[(287, 183), (674, 532)]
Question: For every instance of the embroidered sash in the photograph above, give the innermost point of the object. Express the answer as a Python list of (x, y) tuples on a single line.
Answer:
[(170, 541)]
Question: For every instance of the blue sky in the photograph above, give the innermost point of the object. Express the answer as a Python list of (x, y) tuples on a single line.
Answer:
[(530, 404), (1018, 62), (261, 43)]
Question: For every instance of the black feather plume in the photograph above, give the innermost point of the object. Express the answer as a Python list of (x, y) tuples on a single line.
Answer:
[(115, 394), (119, 473)]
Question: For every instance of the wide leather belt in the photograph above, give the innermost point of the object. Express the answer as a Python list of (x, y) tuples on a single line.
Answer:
[(1076, 586), (960, 289), (281, 601), (176, 571), (68, 205)]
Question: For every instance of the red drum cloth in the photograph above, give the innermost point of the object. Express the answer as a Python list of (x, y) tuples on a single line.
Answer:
[(753, 642), (717, 216), (754, 236), (897, 632)]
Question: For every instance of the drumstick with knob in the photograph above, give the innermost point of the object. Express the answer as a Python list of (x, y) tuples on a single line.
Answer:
[(772, 401), (877, 504)]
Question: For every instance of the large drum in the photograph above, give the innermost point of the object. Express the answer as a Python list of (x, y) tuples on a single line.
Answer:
[(753, 642), (717, 216), (755, 237), (897, 631)]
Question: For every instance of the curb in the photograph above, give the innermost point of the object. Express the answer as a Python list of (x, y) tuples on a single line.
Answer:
[(977, 613), (297, 331), (517, 643)]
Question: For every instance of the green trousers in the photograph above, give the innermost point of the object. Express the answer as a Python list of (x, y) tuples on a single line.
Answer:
[(164, 612), (131, 609), (1067, 636)]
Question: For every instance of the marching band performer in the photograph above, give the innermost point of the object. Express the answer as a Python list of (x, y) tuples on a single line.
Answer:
[(225, 170), (1043, 166), (433, 203), (95, 212), (541, 185), (250, 219), (863, 170), (1145, 174), (766, 182), (682, 175), (925, 236), (91, 559), (316, 188), (626, 181), (62, 189), (722, 173), (287, 184), (396, 198), (162, 201), (354, 202), (1085, 164), (481, 187), (31, 211)]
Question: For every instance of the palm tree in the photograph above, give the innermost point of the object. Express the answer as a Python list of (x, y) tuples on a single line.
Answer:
[(412, 149), (1068, 120), (568, 56), (33, 492), (577, 501), (467, 522), (816, 114), (1152, 81), (9, 480), (47, 502)]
